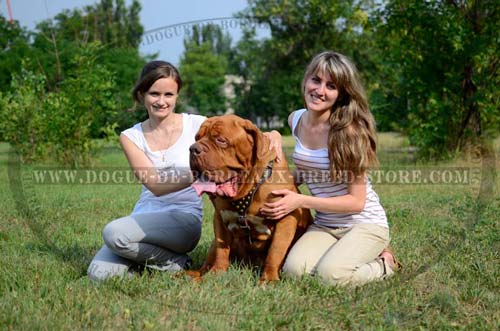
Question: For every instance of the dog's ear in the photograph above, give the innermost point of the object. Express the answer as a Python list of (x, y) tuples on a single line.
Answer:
[(202, 131), (260, 142)]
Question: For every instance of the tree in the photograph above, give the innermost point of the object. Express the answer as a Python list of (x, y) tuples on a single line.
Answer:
[(448, 55), (109, 22), (112, 24), (203, 66), (14, 45), (116, 27), (65, 93), (57, 125)]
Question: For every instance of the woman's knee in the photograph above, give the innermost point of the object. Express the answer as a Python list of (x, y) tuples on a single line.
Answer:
[(294, 267), (106, 264), (196, 236), (96, 273), (102, 271), (114, 237)]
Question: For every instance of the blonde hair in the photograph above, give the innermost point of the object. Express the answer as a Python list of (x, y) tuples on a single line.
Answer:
[(352, 147)]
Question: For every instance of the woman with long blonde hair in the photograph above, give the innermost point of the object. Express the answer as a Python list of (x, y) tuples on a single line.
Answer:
[(335, 146)]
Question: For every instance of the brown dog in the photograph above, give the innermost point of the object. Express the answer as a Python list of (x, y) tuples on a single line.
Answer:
[(232, 160)]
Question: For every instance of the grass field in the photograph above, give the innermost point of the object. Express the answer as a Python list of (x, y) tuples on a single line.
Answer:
[(446, 237)]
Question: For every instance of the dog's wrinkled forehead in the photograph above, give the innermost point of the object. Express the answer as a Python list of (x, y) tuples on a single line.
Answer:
[(215, 127)]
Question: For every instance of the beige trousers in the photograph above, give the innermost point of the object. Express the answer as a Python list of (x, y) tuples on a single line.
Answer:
[(340, 255)]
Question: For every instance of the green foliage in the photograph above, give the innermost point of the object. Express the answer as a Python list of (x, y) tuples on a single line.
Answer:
[(77, 71), (14, 45), (40, 124), (125, 64), (57, 43), (203, 66), (447, 53), (88, 91), (23, 122), (111, 22), (430, 67)]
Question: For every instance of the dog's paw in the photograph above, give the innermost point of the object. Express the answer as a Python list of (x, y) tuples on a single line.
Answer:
[(269, 278), (267, 282), (194, 275)]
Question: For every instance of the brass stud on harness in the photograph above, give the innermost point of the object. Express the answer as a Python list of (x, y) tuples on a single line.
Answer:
[(242, 205)]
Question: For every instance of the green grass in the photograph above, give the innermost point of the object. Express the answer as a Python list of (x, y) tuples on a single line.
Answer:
[(447, 239)]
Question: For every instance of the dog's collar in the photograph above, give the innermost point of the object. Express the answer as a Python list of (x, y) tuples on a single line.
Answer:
[(242, 204)]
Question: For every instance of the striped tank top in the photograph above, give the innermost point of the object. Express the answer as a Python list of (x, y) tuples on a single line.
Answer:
[(314, 170)]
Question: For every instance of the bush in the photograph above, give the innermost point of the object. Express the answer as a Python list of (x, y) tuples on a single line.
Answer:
[(58, 125), (22, 115)]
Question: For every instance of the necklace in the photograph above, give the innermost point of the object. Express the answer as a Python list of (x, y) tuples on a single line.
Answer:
[(162, 151), (168, 136)]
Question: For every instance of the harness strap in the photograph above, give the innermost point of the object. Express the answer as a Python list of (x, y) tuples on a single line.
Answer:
[(242, 204)]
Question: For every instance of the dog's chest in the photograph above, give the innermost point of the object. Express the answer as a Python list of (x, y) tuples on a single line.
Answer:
[(235, 222)]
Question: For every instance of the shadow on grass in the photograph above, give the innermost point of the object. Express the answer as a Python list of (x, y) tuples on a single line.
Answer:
[(29, 209)]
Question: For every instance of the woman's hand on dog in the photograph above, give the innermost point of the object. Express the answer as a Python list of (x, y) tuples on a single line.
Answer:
[(276, 210), (276, 143)]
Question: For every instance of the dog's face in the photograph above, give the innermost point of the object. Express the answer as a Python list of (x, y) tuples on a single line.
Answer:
[(226, 149)]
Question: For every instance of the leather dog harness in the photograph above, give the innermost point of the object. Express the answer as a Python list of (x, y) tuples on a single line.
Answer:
[(242, 204)]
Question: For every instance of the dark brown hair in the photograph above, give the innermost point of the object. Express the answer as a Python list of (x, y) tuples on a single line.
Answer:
[(151, 72)]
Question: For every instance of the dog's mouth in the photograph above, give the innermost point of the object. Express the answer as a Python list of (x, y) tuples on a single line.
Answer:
[(227, 188)]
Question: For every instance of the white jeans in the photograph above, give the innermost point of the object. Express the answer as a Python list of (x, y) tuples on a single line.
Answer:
[(341, 255), (157, 240)]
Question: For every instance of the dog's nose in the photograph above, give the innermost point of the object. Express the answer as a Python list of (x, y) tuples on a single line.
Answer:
[(195, 149)]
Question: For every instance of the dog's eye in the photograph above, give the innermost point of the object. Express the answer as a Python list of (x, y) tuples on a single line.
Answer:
[(221, 141)]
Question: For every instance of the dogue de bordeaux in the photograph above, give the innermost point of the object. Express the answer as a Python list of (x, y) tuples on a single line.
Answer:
[(233, 164)]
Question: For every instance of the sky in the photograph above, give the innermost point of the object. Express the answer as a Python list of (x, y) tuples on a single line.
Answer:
[(165, 21)]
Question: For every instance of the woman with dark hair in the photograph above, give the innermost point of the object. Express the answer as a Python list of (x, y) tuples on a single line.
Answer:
[(165, 223)]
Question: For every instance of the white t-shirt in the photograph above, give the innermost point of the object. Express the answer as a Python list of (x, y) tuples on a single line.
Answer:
[(170, 159), (315, 165)]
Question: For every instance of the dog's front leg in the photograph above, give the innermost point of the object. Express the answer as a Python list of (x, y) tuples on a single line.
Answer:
[(207, 265), (220, 249), (282, 238)]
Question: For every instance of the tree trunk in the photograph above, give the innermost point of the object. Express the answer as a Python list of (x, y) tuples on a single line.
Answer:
[(472, 118)]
